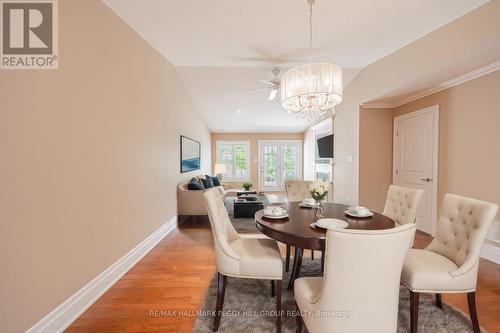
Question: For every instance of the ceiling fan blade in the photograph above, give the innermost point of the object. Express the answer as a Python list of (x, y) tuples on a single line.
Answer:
[(272, 94), (272, 84), (254, 91)]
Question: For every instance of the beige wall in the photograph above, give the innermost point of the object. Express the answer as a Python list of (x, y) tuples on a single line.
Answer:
[(254, 149), (463, 45), (469, 137), (89, 159), (469, 141), (375, 156)]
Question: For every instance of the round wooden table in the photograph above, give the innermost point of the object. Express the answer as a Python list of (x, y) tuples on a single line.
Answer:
[(295, 230)]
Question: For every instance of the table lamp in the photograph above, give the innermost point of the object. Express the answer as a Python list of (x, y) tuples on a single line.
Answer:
[(219, 170)]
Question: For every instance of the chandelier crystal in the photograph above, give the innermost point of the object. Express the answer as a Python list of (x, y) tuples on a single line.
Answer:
[(311, 90)]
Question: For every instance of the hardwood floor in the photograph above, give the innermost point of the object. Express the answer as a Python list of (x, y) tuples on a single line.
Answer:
[(176, 273)]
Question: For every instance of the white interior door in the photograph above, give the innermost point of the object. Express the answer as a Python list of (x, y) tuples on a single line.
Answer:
[(279, 161), (415, 160)]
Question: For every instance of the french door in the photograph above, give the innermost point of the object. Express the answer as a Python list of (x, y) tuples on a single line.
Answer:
[(279, 161)]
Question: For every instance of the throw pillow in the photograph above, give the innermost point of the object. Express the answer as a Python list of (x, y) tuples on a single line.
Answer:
[(215, 180), (207, 182), (195, 185)]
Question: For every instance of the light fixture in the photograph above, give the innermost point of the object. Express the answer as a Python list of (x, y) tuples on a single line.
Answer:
[(311, 90), (219, 170)]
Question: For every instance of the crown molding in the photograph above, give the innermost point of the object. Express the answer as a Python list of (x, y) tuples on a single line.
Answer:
[(493, 67)]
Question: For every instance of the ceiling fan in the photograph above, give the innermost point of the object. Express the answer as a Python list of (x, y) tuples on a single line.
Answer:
[(272, 86)]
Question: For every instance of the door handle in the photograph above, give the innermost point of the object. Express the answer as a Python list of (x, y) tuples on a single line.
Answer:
[(426, 179)]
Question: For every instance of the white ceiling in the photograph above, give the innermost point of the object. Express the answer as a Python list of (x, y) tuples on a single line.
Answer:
[(222, 47), (219, 94)]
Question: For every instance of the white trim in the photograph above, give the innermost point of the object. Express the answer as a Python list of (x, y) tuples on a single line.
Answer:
[(327, 121), (66, 313), (376, 105), (249, 153), (300, 171), (434, 109), (437, 88), (491, 253)]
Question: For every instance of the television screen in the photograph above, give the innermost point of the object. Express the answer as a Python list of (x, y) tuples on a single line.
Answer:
[(325, 147)]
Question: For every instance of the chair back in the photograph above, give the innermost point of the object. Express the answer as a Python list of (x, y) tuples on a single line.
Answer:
[(297, 190), (462, 228), (227, 260), (402, 204), (362, 277)]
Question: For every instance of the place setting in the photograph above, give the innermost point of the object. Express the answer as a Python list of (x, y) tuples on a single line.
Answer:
[(275, 213), (329, 224), (308, 203), (359, 211)]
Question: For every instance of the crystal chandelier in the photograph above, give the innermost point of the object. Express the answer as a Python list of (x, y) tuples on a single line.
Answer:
[(311, 90)]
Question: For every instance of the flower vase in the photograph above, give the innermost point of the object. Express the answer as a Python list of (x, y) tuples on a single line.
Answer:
[(319, 210)]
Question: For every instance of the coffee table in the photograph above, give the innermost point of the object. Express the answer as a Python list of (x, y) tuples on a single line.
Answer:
[(247, 206)]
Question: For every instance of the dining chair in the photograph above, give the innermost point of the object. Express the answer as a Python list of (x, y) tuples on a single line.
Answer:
[(359, 291), (450, 263), (296, 190), (402, 203), (251, 258)]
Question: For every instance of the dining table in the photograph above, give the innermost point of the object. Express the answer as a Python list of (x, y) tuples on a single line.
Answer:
[(296, 230)]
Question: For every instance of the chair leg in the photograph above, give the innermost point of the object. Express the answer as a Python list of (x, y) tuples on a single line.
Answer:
[(439, 301), (471, 300), (221, 289), (414, 311), (272, 288), (279, 284), (298, 319), (312, 254), (287, 258)]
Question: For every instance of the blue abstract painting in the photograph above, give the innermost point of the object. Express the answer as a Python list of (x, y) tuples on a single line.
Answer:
[(190, 154)]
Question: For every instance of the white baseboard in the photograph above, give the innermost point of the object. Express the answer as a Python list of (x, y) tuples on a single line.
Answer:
[(66, 313), (491, 253)]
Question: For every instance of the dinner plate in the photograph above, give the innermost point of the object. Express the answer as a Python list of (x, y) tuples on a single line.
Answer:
[(276, 217), (356, 215), (331, 224), (306, 205)]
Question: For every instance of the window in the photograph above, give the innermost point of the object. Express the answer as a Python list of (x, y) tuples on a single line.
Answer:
[(236, 156)]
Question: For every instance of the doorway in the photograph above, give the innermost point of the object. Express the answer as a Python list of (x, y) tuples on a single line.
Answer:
[(415, 160), (279, 161)]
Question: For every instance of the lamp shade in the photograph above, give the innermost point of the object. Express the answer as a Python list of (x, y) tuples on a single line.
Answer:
[(219, 168), (311, 89)]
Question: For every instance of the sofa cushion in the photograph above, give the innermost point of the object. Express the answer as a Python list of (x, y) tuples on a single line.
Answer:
[(215, 180), (207, 182), (196, 185)]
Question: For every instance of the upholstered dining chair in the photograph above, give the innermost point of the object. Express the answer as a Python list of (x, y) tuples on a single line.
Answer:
[(296, 190), (450, 263), (359, 291), (252, 258), (402, 203)]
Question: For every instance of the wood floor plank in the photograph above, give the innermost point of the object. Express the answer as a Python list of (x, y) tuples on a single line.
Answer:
[(175, 276)]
